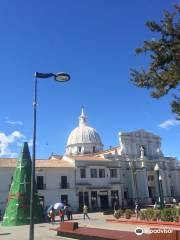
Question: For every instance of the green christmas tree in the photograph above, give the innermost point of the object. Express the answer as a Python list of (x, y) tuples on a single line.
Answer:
[(18, 206)]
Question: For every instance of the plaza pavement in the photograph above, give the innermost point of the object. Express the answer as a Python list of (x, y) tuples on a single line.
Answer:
[(43, 232)]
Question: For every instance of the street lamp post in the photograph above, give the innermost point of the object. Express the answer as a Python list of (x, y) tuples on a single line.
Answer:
[(60, 77), (160, 190)]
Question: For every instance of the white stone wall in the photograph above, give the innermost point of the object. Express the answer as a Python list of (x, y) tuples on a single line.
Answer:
[(97, 181), (175, 178), (131, 142), (5, 180), (52, 178), (142, 185)]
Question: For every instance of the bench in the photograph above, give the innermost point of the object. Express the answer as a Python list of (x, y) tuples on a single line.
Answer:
[(71, 230)]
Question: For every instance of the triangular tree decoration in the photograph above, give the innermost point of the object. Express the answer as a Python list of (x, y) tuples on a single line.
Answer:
[(18, 206)]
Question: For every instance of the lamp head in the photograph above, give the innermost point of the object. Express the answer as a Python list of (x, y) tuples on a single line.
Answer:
[(156, 168), (62, 77)]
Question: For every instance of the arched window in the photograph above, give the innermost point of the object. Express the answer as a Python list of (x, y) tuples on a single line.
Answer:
[(79, 149)]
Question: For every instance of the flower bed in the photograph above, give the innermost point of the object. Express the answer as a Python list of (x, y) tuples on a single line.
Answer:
[(165, 215)]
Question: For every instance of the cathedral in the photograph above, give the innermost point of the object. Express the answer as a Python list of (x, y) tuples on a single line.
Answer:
[(100, 178)]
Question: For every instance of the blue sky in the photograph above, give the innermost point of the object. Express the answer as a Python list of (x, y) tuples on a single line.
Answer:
[(94, 42)]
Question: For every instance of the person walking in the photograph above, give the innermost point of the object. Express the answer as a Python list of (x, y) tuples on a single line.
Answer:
[(85, 212), (115, 206)]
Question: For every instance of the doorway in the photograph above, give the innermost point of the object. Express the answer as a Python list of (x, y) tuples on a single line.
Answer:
[(104, 202), (64, 199)]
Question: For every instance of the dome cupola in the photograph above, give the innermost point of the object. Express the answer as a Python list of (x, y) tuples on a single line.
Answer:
[(83, 139)]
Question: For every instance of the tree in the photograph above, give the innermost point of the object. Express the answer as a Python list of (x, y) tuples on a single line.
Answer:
[(18, 206), (163, 73)]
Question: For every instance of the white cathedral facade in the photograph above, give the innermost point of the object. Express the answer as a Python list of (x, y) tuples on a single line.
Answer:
[(88, 174)]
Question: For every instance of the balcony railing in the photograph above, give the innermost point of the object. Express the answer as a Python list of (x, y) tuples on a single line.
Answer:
[(64, 185), (41, 187)]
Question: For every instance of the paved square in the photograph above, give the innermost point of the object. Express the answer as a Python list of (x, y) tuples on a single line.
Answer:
[(43, 232)]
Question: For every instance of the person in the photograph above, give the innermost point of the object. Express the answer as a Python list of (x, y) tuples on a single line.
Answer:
[(155, 205), (85, 211), (115, 206), (66, 211), (61, 214), (52, 215), (136, 209), (70, 212), (49, 217)]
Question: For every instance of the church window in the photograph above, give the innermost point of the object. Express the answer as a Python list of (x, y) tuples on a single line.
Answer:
[(40, 182), (113, 173), (64, 183), (83, 173), (125, 195), (93, 173), (102, 173), (79, 149)]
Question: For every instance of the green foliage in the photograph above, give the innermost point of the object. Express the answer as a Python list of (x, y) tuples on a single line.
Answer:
[(118, 213), (149, 214), (128, 213), (142, 215), (168, 214), (156, 215), (163, 73)]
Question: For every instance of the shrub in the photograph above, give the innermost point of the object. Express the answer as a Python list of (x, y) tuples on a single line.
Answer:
[(168, 214), (176, 219), (128, 213), (142, 215), (118, 213), (149, 213), (178, 212), (156, 215)]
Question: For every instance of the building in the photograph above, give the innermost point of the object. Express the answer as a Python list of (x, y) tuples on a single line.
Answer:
[(100, 178)]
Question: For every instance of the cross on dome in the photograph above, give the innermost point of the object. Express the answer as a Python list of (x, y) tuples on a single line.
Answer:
[(83, 139), (82, 118)]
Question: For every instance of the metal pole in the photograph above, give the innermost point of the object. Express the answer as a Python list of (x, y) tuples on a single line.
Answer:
[(161, 194), (31, 229), (159, 190)]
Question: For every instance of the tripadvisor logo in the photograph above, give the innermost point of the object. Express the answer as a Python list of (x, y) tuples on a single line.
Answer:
[(139, 231)]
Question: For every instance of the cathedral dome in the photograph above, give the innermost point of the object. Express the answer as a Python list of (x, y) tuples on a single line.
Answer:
[(83, 139)]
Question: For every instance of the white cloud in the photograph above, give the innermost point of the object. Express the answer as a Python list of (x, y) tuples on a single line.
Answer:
[(14, 122), (6, 140), (30, 143), (169, 123)]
